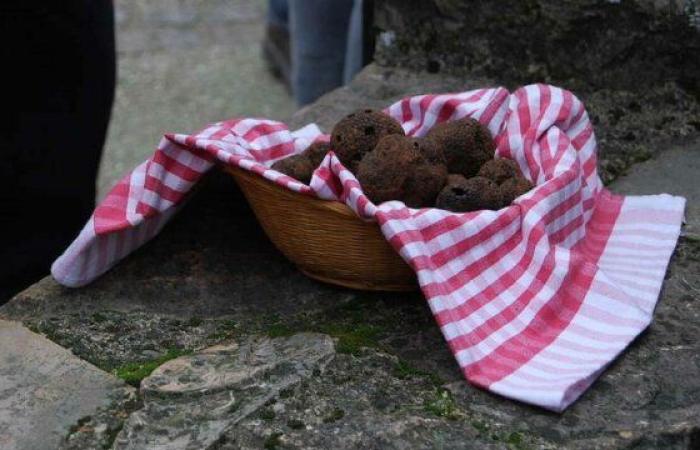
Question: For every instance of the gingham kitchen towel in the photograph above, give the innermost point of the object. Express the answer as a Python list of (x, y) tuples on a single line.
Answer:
[(534, 300)]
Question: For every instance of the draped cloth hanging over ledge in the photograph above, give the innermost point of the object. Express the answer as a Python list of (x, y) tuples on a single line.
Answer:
[(534, 300)]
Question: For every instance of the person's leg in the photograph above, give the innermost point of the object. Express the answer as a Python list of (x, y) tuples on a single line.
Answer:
[(354, 54), (276, 44), (278, 12), (62, 79), (319, 30)]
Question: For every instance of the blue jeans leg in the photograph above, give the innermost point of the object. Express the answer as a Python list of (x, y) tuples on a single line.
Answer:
[(278, 13), (353, 55), (319, 36)]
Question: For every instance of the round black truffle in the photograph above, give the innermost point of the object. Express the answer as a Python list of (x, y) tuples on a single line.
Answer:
[(297, 166), (316, 152), (358, 133), (467, 145), (399, 168), (499, 170), (430, 151), (513, 188), (472, 194)]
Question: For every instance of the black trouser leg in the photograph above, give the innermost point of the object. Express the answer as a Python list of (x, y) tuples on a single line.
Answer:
[(59, 67)]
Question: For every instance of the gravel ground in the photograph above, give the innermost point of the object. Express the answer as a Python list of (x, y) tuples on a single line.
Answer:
[(183, 64)]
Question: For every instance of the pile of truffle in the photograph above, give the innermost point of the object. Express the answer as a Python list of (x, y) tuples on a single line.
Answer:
[(452, 167)]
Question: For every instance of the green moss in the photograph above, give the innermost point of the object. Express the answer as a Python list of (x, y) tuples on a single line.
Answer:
[(229, 324), (50, 331), (351, 338), (482, 427), (404, 370), (355, 324), (442, 405), (515, 440), (279, 330), (334, 416), (98, 317), (134, 372), (273, 441)]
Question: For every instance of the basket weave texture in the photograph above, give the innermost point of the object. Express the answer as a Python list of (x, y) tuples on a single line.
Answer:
[(325, 239)]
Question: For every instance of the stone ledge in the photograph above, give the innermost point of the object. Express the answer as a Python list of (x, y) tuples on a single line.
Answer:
[(47, 394)]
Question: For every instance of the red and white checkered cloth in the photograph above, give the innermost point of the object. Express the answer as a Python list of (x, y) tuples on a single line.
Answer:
[(534, 300)]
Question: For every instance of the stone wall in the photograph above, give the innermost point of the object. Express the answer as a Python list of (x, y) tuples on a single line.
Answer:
[(583, 44)]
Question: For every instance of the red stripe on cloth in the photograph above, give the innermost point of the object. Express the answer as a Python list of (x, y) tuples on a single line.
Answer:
[(175, 167), (424, 106), (507, 314), (442, 256), (146, 210), (332, 182), (110, 214), (564, 119), (567, 230), (263, 129), (362, 203), (523, 110), (493, 107), (445, 255), (535, 131), (162, 190), (273, 152), (580, 139), (507, 279), (549, 321), (562, 147), (406, 110), (447, 110)]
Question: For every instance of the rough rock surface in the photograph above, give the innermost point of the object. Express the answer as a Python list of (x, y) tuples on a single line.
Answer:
[(47, 395), (213, 276), (625, 45), (191, 401)]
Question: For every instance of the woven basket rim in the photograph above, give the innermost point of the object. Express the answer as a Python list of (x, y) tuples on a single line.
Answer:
[(331, 205)]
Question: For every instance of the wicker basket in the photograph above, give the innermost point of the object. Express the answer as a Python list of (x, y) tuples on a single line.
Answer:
[(325, 239)]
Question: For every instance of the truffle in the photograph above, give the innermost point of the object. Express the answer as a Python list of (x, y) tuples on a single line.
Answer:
[(316, 152), (499, 170), (513, 188), (473, 194), (302, 165), (430, 151), (400, 168), (297, 166), (358, 133), (467, 145)]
